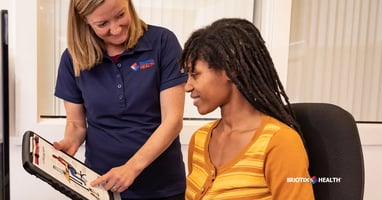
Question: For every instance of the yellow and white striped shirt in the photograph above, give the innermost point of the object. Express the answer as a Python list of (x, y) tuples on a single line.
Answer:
[(275, 153)]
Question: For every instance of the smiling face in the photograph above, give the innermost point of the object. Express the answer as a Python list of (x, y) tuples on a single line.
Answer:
[(110, 22), (208, 88)]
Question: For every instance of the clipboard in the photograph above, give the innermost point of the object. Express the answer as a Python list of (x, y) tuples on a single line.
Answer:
[(63, 172)]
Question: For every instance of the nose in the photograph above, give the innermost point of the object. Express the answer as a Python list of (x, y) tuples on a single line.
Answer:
[(115, 29), (188, 86)]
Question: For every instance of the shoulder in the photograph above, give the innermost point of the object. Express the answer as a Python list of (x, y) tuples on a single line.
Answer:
[(66, 55), (158, 29), (66, 61), (284, 139), (157, 37), (279, 129), (279, 137), (158, 32)]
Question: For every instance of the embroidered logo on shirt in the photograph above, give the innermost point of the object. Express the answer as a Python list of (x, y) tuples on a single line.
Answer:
[(142, 65), (135, 66)]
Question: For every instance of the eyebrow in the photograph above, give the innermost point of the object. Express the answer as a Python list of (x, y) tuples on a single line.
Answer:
[(122, 10)]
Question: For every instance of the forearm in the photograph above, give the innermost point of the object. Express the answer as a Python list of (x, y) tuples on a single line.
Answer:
[(159, 141), (75, 131)]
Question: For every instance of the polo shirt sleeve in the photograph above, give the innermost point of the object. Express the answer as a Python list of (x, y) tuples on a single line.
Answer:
[(66, 86), (170, 68), (286, 158)]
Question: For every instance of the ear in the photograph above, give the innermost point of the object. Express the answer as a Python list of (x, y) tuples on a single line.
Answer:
[(232, 74)]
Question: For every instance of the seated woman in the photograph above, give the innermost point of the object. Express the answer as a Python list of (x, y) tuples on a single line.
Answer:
[(254, 148)]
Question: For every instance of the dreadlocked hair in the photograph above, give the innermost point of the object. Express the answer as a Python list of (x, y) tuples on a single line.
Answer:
[(237, 47)]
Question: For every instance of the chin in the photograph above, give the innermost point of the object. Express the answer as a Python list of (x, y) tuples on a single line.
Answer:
[(118, 41), (204, 112)]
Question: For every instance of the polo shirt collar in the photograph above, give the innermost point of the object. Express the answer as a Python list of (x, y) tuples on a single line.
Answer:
[(143, 44)]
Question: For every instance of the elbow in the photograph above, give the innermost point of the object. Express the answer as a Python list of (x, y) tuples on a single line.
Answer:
[(178, 125)]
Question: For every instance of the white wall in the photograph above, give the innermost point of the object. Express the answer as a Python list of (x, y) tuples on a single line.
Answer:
[(23, 55), (371, 139)]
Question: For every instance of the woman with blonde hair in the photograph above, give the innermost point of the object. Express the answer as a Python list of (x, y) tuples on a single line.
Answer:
[(124, 98)]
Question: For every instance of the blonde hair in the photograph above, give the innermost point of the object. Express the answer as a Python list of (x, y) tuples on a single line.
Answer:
[(85, 47)]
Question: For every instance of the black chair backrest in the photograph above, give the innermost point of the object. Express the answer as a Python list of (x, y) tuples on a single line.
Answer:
[(334, 150)]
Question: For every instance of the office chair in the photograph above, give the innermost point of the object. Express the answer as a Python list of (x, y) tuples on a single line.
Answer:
[(334, 151)]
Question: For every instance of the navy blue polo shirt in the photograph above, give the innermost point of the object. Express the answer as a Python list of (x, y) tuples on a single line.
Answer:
[(123, 109)]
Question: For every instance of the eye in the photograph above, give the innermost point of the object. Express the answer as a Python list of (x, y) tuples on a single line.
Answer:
[(121, 14), (194, 74), (101, 24)]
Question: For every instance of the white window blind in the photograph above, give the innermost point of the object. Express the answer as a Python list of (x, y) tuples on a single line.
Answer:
[(180, 16), (336, 55)]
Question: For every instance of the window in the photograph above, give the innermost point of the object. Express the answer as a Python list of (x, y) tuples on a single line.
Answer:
[(335, 55), (180, 16)]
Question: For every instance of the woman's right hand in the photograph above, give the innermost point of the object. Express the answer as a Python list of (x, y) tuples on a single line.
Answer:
[(70, 147), (75, 129)]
